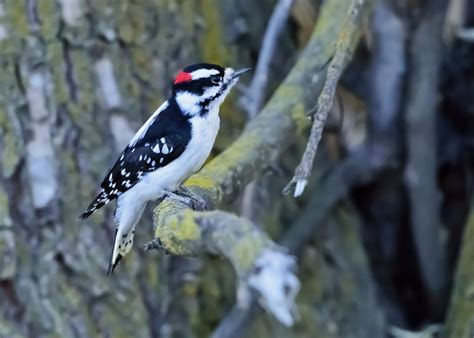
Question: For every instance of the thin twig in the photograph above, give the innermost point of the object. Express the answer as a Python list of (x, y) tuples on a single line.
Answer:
[(344, 50), (252, 101)]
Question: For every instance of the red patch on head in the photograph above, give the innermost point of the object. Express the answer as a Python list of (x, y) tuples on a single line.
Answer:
[(182, 77)]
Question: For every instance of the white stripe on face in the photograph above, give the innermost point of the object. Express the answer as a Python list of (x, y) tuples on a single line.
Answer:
[(203, 73), (188, 102)]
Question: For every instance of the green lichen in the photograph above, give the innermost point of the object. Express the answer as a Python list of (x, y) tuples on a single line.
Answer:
[(200, 181), (213, 47), (56, 57), (4, 207), (301, 121), (84, 112), (187, 229), (12, 152), (177, 229), (142, 59), (132, 20), (246, 251), (16, 11), (81, 111), (49, 18)]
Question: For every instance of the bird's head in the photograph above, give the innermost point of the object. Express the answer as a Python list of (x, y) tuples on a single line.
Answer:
[(201, 87)]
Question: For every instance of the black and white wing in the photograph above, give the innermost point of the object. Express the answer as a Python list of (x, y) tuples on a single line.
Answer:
[(162, 139)]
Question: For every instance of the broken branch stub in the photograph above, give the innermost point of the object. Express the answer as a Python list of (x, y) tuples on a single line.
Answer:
[(263, 268)]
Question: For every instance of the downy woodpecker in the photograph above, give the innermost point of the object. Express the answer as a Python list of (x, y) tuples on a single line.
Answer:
[(172, 145)]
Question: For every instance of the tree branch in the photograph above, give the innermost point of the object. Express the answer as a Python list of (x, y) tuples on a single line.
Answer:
[(252, 101), (420, 172), (262, 267)]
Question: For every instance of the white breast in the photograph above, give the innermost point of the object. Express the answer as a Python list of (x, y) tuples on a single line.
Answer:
[(204, 132)]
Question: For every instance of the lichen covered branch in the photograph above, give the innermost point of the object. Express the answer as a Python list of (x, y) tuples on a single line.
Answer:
[(262, 267)]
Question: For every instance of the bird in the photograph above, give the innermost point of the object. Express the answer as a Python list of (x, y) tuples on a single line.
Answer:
[(169, 147)]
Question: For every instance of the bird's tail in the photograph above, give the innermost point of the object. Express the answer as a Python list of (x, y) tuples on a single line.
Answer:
[(122, 245), (98, 202)]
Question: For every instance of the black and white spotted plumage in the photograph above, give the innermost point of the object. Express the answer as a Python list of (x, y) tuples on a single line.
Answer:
[(172, 145), (163, 141)]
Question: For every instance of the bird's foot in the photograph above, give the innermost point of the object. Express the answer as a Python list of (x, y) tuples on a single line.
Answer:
[(155, 244), (186, 196)]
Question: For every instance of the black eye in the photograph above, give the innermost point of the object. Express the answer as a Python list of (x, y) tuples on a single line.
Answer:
[(215, 79)]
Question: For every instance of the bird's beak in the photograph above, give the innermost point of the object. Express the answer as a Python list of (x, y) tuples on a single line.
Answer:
[(239, 72)]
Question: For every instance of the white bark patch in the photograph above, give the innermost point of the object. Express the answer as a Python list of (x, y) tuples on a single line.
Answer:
[(121, 130), (276, 284), (41, 172), (40, 158), (107, 83), (72, 12)]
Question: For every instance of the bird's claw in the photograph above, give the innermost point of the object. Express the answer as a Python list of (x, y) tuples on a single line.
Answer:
[(186, 196), (155, 244)]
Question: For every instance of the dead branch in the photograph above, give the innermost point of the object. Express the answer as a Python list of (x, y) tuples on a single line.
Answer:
[(253, 99), (344, 49)]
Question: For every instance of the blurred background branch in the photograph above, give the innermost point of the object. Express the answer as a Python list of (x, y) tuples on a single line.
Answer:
[(420, 172)]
